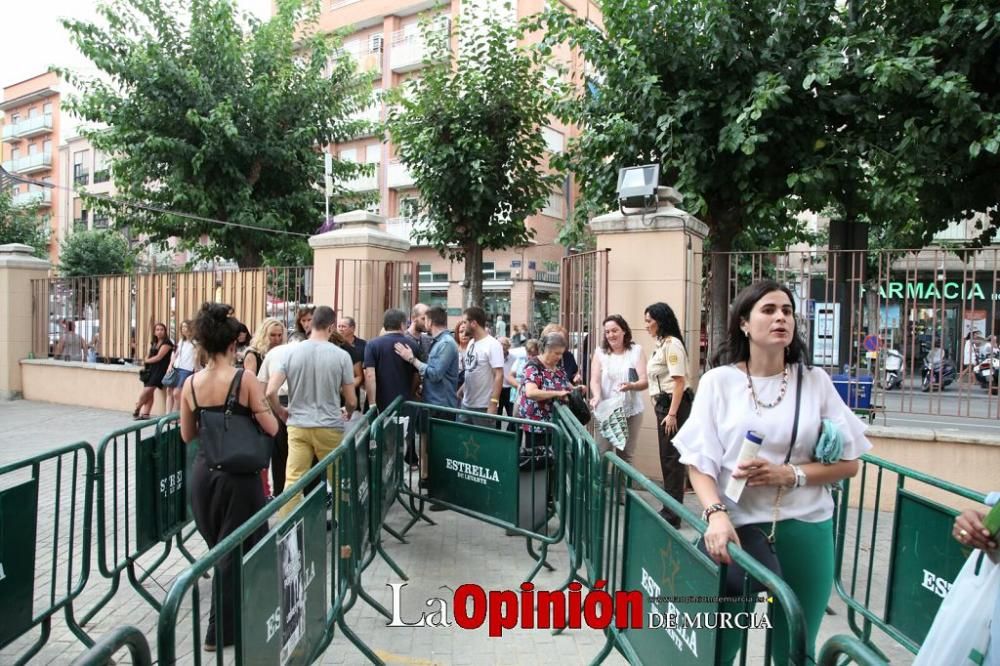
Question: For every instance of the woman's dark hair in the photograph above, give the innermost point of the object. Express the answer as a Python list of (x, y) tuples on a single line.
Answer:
[(666, 321), (299, 316), (166, 334), (214, 328), (243, 329), (622, 324), (736, 348)]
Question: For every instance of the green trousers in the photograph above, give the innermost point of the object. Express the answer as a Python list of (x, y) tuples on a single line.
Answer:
[(805, 552)]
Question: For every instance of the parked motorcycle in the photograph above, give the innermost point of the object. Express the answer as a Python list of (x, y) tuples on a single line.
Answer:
[(893, 377), (938, 371), (987, 371)]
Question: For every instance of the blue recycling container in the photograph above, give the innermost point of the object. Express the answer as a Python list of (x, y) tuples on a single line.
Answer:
[(856, 392)]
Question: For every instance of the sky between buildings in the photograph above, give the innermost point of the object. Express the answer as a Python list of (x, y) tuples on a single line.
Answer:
[(34, 39)]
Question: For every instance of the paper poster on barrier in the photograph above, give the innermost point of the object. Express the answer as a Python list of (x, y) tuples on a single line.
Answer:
[(291, 559)]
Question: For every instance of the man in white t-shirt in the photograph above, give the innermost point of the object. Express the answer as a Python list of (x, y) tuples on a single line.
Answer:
[(483, 365)]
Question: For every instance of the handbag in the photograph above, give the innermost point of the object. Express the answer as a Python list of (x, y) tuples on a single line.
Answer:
[(579, 407), (169, 379), (144, 374), (231, 442), (753, 539)]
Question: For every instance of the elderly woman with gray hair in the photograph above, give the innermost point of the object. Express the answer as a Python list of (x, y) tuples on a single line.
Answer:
[(545, 380)]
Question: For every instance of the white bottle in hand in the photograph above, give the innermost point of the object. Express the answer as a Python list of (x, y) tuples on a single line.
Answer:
[(752, 443)]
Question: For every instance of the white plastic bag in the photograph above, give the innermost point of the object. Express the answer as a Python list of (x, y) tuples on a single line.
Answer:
[(612, 422), (960, 634)]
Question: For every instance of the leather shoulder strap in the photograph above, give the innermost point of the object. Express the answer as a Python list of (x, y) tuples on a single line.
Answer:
[(798, 406), (234, 388)]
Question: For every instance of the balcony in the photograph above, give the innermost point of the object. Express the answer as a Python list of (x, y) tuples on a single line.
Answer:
[(548, 277), (367, 55), (81, 177), (29, 163), (409, 51), (398, 177), (403, 227), (363, 183), (371, 117), (28, 128), (40, 198)]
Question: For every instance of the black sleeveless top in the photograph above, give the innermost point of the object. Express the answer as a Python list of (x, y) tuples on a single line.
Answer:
[(238, 408)]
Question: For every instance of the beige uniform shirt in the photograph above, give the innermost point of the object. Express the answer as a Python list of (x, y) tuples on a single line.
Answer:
[(669, 360)]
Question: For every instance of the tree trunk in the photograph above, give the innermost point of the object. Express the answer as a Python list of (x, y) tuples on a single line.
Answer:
[(722, 243), (249, 257), (473, 292)]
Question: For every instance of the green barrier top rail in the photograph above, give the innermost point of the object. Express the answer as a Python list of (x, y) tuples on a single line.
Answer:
[(916, 475), (847, 646), (544, 425), (48, 455)]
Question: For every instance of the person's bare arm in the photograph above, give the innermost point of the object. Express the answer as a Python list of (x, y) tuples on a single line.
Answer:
[(189, 426), (348, 397), (370, 384), (595, 380), (267, 421), (273, 385), (497, 388)]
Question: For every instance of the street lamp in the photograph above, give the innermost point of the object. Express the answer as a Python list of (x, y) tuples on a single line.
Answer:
[(637, 187)]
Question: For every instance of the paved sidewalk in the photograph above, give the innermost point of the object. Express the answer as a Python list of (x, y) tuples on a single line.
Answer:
[(457, 550)]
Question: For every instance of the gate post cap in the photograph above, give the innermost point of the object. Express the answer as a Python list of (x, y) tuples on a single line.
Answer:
[(19, 255), (359, 228)]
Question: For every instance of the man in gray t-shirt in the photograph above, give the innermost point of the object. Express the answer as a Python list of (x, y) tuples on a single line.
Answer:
[(320, 381)]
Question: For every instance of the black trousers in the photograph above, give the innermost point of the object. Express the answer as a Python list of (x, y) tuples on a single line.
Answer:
[(279, 458), (506, 406), (221, 502), (670, 458)]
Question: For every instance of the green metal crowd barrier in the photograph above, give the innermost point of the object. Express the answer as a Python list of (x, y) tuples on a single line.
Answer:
[(644, 553), (923, 558), (141, 477), (44, 570), (297, 582), (481, 471)]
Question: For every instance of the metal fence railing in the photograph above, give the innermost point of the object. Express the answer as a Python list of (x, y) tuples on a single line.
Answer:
[(114, 315), (46, 563), (141, 476), (866, 313), (893, 526)]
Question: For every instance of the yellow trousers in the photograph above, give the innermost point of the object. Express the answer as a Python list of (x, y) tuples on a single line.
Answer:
[(303, 444)]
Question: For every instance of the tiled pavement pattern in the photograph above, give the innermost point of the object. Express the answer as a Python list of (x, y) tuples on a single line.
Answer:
[(456, 551)]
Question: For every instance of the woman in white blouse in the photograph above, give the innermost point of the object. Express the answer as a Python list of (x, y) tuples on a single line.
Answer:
[(618, 372), (753, 388)]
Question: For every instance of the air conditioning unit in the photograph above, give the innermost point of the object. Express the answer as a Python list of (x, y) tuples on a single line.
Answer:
[(375, 43)]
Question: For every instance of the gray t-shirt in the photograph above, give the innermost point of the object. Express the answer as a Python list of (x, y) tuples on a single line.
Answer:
[(478, 361), (316, 371)]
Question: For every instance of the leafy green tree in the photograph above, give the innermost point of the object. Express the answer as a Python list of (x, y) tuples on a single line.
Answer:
[(470, 132), (213, 113), (758, 111), (95, 252), (22, 225)]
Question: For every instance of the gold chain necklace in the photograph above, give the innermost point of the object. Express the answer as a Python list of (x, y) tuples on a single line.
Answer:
[(757, 403)]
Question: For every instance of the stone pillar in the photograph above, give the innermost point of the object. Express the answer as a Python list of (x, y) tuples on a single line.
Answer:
[(522, 299), (359, 288), (654, 257), (18, 267)]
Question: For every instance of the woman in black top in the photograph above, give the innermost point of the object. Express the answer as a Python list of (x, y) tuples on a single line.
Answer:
[(156, 362), (222, 501)]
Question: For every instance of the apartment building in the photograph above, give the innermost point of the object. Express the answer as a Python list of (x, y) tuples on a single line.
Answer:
[(30, 131), (81, 166), (520, 284)]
